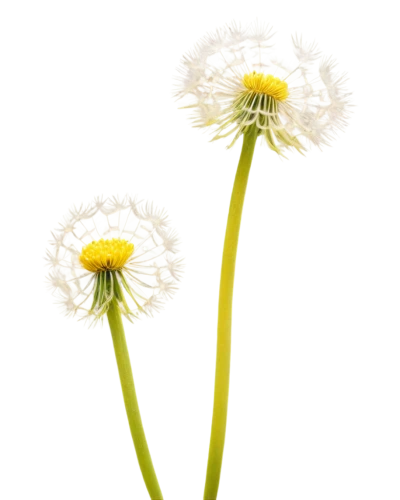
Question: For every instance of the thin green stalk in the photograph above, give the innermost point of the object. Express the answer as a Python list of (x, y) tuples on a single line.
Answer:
[(131, 403), (221, 390)]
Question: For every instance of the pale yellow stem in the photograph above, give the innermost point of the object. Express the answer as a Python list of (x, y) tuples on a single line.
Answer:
[(131, 403), (221, 390)]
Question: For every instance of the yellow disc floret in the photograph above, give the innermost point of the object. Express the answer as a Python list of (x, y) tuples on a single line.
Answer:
[(266, 84), (106, 255)]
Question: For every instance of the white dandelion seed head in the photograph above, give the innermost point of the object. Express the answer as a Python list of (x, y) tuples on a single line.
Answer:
[(113, 249), (233, 80)]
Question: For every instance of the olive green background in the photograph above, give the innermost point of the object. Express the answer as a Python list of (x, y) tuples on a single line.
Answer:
[(86, 108)]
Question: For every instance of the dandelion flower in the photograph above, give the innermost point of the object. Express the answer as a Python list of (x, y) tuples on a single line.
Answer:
[(117, 257), (233, 80), (237, 86), (118, 250)]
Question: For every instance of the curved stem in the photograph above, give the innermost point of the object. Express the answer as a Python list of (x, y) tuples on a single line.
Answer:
[(131, 403), (221, 390)]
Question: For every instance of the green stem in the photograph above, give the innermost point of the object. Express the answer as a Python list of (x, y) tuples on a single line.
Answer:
[(131, 403), (221, 390)]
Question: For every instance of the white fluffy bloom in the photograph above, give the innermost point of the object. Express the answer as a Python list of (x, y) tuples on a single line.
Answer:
[(233, 80), (113, 249)]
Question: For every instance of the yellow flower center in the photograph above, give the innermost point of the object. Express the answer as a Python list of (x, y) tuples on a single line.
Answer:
[(106, 255), (266, 84)]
